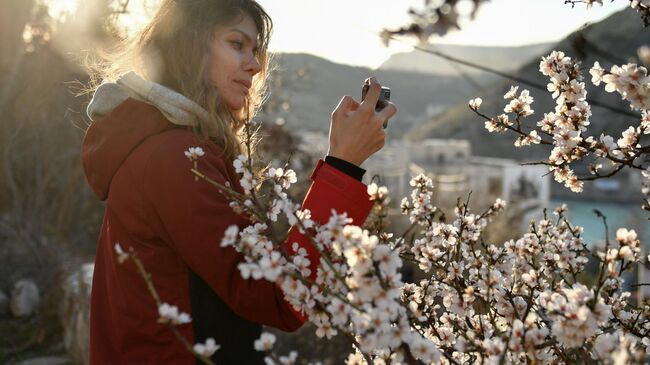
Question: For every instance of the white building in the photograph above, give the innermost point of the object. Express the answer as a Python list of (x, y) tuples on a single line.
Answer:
[(455, 172)]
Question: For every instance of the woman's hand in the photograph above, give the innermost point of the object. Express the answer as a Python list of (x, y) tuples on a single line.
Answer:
[(356, 130)]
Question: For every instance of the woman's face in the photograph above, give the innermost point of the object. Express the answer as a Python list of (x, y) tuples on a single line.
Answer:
[(233, 63)]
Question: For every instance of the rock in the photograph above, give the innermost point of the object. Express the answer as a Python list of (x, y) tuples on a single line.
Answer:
[(75, 313), (4, 303), (25, 298)]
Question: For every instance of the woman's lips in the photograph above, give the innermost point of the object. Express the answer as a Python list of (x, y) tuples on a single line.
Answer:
[(246, 84)]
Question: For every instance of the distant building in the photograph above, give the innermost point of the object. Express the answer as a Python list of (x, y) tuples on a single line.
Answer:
[(528, 185), (455, 172)]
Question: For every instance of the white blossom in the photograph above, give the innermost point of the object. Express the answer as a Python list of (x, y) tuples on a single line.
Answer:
[(208, 348), (240, 163), (597, 74), (170, 314), (283, 177), (193, 153), (629, 138), (474, 104), (247, 181), (271, 266), (631, 82), (512, 93), (626, 237), (121, 255), (265, 342), (230, 236), (520, 105), (527, 140)]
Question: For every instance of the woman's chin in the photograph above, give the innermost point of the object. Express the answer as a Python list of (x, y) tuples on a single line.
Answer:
[(236, 105)]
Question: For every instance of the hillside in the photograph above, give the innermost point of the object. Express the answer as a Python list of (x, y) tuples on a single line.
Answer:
[(313, 86), (505, 59), (611, 41)]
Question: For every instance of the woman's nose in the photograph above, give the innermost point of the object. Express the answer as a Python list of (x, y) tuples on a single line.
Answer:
[(253, 65)]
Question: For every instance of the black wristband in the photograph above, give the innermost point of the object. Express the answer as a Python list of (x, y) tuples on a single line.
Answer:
[(346, 167)]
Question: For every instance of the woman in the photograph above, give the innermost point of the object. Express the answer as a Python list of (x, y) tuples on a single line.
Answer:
[(203, 64)]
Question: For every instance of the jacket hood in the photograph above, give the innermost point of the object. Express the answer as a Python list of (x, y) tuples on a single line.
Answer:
[(124, 114), (110, 140)]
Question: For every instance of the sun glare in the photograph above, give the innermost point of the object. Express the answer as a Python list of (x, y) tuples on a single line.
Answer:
[(140, 12), (61, 8)]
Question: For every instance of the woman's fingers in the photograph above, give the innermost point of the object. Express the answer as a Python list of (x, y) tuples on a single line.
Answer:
[(368, 104), (386, 113), (346, 105)]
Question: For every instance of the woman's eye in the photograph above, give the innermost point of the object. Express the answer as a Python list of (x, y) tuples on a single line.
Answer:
[(237, 44)]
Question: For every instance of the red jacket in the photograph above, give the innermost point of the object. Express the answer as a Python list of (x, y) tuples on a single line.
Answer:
[(133, 159)]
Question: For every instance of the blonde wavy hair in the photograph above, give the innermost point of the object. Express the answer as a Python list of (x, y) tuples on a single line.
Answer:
[(173, 49)]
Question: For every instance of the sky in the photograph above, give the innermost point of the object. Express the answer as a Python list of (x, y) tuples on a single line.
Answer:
[(346, 31)]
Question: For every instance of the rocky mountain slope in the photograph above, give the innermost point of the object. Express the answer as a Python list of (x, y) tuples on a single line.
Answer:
[(313, 86), (502, 58)]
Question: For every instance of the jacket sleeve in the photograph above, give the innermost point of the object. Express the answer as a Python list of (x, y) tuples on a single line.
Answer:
[(194, 216), (331, 189)]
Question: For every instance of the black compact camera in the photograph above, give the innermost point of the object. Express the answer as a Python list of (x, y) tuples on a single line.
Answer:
[(382, 102)]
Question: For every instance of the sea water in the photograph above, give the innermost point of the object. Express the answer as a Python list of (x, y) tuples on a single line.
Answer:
[(619, 215)]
